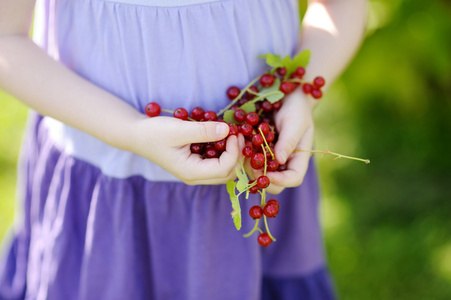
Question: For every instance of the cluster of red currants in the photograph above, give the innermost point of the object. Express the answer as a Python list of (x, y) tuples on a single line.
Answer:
[(256, 125)]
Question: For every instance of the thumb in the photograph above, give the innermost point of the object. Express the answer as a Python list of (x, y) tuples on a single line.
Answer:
[(202, 132), (287, 142)]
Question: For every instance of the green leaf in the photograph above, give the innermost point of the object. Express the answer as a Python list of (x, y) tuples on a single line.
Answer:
[(231, 188), (237, 217), (248, 107), (286, 61), (273, 88), (273, 98), (302, 59), (241, 186), (273, 60), (229, 116), (236, 213), (243, 180)]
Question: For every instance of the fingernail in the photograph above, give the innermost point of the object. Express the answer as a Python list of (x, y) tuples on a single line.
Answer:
[(283, 156), (222, 129)]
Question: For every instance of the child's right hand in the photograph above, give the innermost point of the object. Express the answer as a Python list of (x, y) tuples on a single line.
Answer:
[(166, 142)]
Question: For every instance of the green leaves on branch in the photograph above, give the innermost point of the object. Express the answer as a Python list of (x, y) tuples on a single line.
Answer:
[(272, 94), (229, 116), (276, 61), (236, 212), (248, 107), (242, 185)]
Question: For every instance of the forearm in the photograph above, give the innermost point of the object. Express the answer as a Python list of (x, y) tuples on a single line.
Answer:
[(50, 88), (333, 31)]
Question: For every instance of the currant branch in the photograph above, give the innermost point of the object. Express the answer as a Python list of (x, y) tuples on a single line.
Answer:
[(240, 95), (338, 155), (251, 113)]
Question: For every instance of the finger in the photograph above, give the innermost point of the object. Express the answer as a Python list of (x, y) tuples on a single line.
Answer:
[(289, 137), (241, 145), (201, 132), (195, 168), (214, 181), (275, 189), (297, 166)]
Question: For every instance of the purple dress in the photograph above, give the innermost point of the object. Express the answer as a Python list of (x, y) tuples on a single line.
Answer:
[(102, 223)]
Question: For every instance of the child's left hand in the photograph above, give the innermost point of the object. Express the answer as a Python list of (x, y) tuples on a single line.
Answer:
[(294, 122)]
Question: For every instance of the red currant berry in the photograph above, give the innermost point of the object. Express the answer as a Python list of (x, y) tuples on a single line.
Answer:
[(317, 94), (251, 96), (233, 92), (210, 116), (254, 189), (252, 118), (247, 151), (267, 80), (270, 137), (307, 88), (318, 82), (263, 127), (274, 202), (282, 168), (197, 148), (264, 240), (271, 210), (234, 129), (211, 152), (287, 87), (266, 119), (268, 153), (220, 145), (299, 73), (273, 165), (267, 106), (181, 113), (256, 212), (257, 160), (257, 139), (242, 102), (197, 113), (240, 115), (153, 109), (281, 71), (246, 129), (277, 105), (263, 182)]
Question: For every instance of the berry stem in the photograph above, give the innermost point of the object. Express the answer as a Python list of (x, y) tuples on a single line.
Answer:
[(338, 155), (253, 229), (267, 229), (238, 97), (296, 80), (259, 98), (172, 112), (263, 202), (266, 143), (168, 111)]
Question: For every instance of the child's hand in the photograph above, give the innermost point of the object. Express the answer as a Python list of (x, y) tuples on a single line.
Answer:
[(166, 142), (294, 122)]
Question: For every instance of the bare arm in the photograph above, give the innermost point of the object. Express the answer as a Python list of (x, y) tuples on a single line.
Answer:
[(50, 88), (333, 31)]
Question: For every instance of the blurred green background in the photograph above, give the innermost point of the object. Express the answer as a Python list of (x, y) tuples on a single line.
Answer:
[(387, 224)]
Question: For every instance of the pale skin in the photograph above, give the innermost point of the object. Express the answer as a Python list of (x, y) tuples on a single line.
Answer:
[(332, 30)]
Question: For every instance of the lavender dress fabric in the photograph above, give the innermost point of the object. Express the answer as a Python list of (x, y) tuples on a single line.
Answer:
[(101, 223)]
